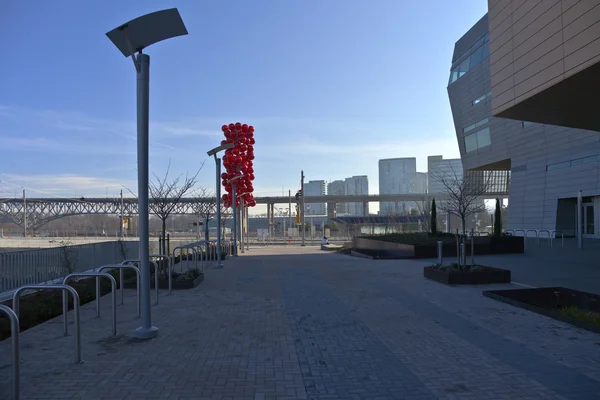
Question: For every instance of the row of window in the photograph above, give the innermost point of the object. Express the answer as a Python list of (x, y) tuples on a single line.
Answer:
[(477, 140), (572, 163), (479, 42), (482, 98), (471, 61), (476, 125)]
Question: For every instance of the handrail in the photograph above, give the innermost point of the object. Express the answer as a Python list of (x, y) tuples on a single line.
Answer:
[(540, 231), (113, 284), (169, 267), (562, 237), (14, 336), (137, 260), (121, 267), (76, 303)]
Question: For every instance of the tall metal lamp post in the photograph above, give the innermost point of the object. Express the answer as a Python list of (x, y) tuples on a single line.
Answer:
[(214, 153), (129, 38)]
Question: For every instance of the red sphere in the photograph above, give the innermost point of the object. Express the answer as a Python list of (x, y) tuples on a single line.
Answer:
[(245, 128), (238, 125), (250, 128), (231, 126), (224, 128), (224, 175)]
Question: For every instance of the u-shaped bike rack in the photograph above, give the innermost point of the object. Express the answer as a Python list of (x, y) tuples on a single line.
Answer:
[(169, 266), (538, 235), (187, 247), (554, 235), (121, 267), (16, 301), (14, 336), (98, 275), (132, 261)]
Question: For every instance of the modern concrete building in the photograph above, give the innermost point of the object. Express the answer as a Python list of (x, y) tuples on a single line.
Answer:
[(438, 168), (315, 188), (542, 71), (338, 188), (354, 186), (397, 176)]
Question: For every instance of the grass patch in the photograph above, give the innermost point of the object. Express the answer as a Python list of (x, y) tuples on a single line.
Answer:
[(580, 314)]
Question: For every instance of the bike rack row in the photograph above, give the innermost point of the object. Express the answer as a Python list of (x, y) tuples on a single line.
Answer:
[(550, 235), (13, 314)]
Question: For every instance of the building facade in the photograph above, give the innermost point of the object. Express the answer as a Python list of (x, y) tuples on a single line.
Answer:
[(355, 186), (397, 176), (315, 188), (421, 182), (547, 164)]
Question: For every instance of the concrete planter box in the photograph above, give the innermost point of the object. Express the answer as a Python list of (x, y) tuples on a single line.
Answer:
[(483, 245), (486, 276), (164, 284), (547, 301)]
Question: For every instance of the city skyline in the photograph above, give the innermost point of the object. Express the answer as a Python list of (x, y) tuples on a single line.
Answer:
[(327, 104)]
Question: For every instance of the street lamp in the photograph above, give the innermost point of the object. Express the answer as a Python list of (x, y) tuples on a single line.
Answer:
[(233, 206), (213, 153), (129, 38)]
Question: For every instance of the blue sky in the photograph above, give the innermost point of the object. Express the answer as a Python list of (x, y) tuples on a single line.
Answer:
[(331, 86)]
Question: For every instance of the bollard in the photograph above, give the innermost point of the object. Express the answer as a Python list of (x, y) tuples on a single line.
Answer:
[(463, 255), (472, 251), (457, 250), (439, 252)]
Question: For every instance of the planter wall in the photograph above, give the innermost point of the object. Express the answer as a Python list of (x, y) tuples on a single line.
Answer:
[(545, 301), (486, 276), (483, 245), (164, 284)]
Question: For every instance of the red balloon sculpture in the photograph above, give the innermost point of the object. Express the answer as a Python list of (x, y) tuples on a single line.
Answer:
[(238, 162)]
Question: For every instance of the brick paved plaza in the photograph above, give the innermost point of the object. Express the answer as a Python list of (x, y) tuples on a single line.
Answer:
[(298, 323)]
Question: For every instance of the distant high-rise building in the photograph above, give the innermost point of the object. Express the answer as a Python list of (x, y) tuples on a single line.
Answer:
[(315, 188), (357, 186), (397, 176), (437, 168), (421, 182), (338, 188)]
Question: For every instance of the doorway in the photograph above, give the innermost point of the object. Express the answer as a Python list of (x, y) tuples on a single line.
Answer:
[(588, 228)]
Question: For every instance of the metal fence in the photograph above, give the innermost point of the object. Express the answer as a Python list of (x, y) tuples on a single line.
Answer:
[(27, 267)]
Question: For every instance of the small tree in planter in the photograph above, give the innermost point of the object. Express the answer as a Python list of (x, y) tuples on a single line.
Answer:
[(433, 223), (498, 219), (464, 193), (205, 208)]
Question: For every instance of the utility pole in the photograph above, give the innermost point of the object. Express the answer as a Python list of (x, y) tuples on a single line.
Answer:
[(24, 214), (302, 208), (122, 216), (290, 209)]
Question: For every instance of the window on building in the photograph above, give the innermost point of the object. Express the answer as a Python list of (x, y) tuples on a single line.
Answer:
[(476, 125), (474, 55), (525, 124), (572, 163), (477, 140), (584, 160), (482, 98)]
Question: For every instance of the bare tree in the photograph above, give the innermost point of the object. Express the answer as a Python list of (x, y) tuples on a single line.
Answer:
[(464, 193), (423, 209), (205, 208), (166, 195)]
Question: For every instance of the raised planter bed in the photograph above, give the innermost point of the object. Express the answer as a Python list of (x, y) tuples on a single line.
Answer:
[(483, 275), (164, 283), (392, 246), (580, 309)]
